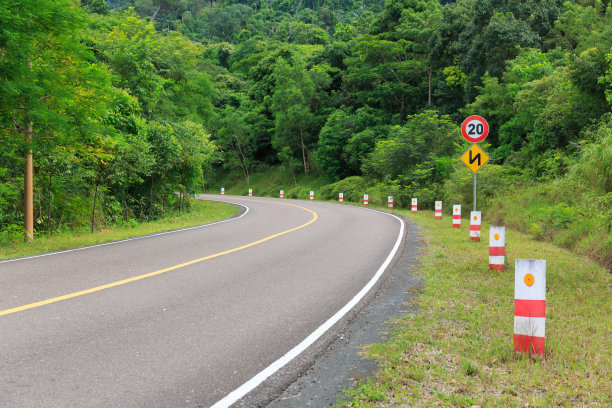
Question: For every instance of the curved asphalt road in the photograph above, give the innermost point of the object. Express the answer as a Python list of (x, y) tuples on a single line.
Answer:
[(189, 335)]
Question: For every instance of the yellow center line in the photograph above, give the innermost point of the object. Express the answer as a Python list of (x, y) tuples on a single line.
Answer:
[(159, 272)]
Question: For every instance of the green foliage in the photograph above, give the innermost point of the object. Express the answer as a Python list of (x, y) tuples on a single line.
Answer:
[(383, 75), (95, 6), (159, 70), (607, 79), (353, 189), (219, 23), (291, 104), (344, 32), (234, 138), (492, 180), (424, 138), (593, 168), (330, 155)]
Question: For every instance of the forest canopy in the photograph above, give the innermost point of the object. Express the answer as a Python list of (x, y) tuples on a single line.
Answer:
[(135, 104)]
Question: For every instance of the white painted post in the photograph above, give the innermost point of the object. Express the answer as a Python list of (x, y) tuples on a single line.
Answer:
[(497, 248), (475, 226), (530, 306), (438, 210)]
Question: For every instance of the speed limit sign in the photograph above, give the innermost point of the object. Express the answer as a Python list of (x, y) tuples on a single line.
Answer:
[(475, 129)]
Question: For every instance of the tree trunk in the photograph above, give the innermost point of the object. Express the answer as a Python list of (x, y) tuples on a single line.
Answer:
[(39, 194), (164, 195), (151, 199), (157, 11), (49, 205), (297, 9), (242, 160), (203, 188), (125, 207), (61, 218), (303, 153), (429, 98), (181, 194), (293, 175)]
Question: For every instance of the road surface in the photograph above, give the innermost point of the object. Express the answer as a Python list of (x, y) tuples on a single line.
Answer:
[(186, 318)]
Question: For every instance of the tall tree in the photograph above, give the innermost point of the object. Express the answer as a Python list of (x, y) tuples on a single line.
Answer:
[(46, 76), (330, 155), (291, 104), (161, 70), (481, 35), (238, 142)]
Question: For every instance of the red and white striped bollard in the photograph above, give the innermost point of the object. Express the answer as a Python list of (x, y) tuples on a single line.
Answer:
[(222, 191), (438, 210), (456, 215), (475, 226), (250, 192), (497, 248), (414, 205), (282, 194), (390, 202), (341, 197), (530, 306), (365, 199), (311, 195)]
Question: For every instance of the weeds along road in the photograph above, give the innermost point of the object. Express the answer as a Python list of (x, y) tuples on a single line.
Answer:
[(183, 319)]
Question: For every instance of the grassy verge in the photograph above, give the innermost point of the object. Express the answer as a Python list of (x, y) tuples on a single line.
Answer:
[(202, 212), (457, 350)]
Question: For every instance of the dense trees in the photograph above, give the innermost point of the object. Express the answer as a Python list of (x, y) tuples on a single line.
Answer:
[(132, 101), (82, 92)]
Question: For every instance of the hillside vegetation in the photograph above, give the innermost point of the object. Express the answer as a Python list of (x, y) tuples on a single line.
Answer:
[(129, 106)]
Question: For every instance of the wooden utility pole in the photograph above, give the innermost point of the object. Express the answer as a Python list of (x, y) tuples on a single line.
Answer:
[(28, 187), (28, 212)]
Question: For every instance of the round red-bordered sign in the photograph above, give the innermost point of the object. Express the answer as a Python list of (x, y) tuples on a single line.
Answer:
[(475, 129)]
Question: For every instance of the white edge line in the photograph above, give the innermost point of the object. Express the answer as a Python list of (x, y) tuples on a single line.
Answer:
[(135, 238), (251, 384)]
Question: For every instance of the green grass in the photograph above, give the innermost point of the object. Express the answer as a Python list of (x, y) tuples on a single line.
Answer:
[(201, 212), (458, 349)]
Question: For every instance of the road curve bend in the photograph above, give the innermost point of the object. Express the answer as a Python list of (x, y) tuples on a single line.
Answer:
[(192, 318)]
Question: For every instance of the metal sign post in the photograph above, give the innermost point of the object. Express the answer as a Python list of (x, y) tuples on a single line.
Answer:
[(474, 129), (474, 209)]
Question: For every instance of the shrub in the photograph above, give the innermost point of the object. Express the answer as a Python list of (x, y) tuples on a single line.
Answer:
[(594, 166), (353, 188), (492, 180)]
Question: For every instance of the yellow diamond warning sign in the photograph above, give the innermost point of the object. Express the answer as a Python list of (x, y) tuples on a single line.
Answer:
[(474, 158)]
